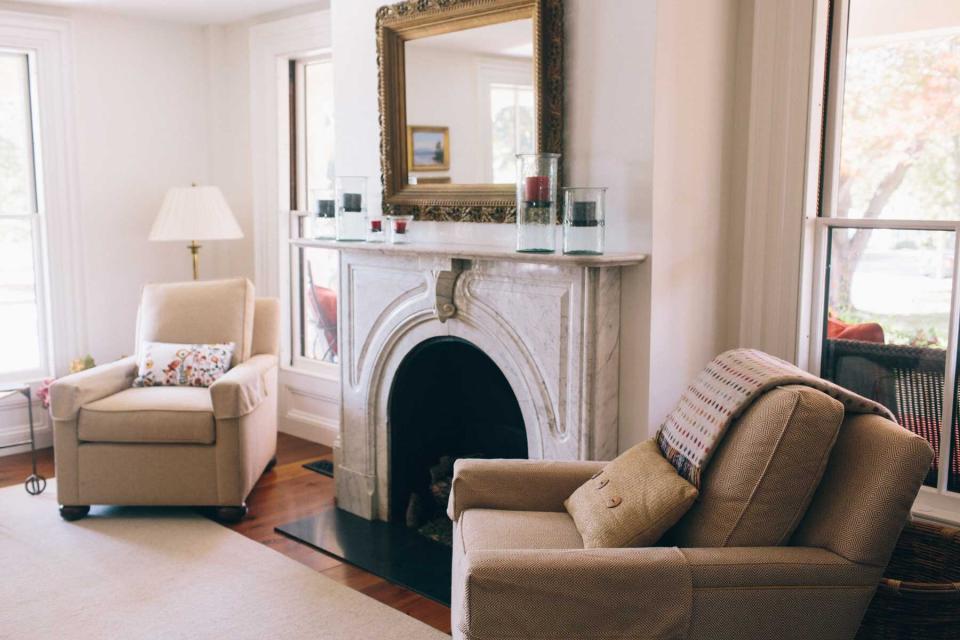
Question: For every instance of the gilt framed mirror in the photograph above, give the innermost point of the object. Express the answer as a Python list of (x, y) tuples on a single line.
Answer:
[(465, 85)]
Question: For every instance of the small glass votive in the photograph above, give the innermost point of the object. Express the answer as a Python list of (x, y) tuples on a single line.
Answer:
[(351, 208), (537, 177), (584, 214), (375, 230), (399, 229), (324, 224)]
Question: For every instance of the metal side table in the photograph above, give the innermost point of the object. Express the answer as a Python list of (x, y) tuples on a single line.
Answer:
[(35, 483)]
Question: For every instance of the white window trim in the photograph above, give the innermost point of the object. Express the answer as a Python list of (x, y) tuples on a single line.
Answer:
[(297, 361), (309, 400), (49, 40)]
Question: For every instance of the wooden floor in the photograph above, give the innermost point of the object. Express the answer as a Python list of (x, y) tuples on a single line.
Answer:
[(286, 493)]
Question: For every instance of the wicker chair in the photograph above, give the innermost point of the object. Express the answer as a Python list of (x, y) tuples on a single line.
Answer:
[(907, 380)]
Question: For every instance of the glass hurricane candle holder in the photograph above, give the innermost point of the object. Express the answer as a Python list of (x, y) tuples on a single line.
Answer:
[(324, 225), (400, 229), (537, 202), (351, 208), (584, 215)]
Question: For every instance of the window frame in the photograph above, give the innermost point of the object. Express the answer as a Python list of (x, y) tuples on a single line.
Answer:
[(37, 219), (298, 191), (491, 72), (938, 503)]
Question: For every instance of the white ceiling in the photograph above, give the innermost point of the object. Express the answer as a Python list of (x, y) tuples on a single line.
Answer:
[(187, 11)]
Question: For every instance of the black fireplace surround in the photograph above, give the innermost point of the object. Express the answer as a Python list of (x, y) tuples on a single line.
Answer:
[(448, 398)]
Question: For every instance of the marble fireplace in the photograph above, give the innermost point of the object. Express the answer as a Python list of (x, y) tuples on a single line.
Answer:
[(548, 324)]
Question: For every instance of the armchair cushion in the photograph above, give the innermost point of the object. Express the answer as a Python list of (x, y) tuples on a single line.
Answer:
[(150, 415), (632, 501), (242, 389), (208, 312), (765, 472), (69, 393)]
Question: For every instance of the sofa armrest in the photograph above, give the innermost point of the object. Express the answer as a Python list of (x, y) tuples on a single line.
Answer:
[(71, 392), (241, 390), (516, 485), (572, 593)]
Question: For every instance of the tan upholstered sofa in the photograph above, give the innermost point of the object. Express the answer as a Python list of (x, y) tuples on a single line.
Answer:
[(519, 569), (118, 445)]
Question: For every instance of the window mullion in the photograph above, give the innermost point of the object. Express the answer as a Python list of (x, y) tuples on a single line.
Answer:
[(949, 375)]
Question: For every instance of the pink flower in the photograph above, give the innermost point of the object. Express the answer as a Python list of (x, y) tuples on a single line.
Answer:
[(43, 392)]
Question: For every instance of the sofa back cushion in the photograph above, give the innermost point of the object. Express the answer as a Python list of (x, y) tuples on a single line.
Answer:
[(764, 473), (209, 312)]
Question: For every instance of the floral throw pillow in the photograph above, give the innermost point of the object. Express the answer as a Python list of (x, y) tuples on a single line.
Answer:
[(164, 364)]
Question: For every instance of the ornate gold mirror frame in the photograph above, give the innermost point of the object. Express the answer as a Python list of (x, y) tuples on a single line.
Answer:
[(398, 23)]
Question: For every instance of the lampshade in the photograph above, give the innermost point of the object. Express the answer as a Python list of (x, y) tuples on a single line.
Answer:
[(195, 213)]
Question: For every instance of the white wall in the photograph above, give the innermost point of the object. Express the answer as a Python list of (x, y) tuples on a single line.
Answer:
[(693, 147), (149, 116)]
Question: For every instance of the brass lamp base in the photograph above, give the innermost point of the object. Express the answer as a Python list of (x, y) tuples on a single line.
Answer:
[(195, 254)]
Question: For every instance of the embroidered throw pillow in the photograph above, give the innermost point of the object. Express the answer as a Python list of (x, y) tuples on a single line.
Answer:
[(165, 364), (632, 502)]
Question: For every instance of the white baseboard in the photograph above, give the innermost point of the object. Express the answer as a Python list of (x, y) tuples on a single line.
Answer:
[(309, 427), (21, 433)]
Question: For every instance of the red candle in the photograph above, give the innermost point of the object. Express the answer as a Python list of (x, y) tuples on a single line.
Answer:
[(538, 189), (400, 226), (375, 226)]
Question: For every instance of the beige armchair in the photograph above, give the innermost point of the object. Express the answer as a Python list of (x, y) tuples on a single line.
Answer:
[(519, 569), (119, 445)]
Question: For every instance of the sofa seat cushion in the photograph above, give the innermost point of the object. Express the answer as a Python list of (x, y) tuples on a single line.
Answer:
[(490, 529), (163, 415), (758, 485)]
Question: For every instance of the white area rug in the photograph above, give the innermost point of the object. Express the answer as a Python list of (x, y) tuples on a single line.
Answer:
[(123, 573)]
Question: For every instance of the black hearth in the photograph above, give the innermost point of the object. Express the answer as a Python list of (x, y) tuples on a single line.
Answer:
[(448, 400)]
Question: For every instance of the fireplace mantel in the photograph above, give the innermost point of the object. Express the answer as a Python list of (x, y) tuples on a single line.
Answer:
[(479, 252), (550, 322)]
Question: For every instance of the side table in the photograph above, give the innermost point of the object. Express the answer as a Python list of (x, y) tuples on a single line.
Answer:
[(35, 483)]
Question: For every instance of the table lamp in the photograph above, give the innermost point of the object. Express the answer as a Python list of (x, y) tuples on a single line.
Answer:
[(195, 213)]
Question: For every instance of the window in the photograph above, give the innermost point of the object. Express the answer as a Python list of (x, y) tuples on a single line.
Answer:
[(314, 271), (23, 349), (513, 127), (887, 232)]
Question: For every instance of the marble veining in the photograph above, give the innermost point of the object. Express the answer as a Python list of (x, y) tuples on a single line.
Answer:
[(551, 326)]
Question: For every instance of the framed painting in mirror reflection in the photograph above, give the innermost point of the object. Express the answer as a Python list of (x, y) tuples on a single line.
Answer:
[(429, 148)]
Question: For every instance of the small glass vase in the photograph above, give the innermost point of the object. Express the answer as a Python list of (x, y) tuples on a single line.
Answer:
[(537, 202), (584, 215), (351, 208), (399, 229), (376, 229)]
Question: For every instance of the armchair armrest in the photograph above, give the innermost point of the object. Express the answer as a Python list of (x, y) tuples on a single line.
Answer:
[(755, 567), (516, 485), (573, 593), (241, 390), (69, 393)]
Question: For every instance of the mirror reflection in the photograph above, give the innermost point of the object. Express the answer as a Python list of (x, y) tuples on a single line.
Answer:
[(471, 106)]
